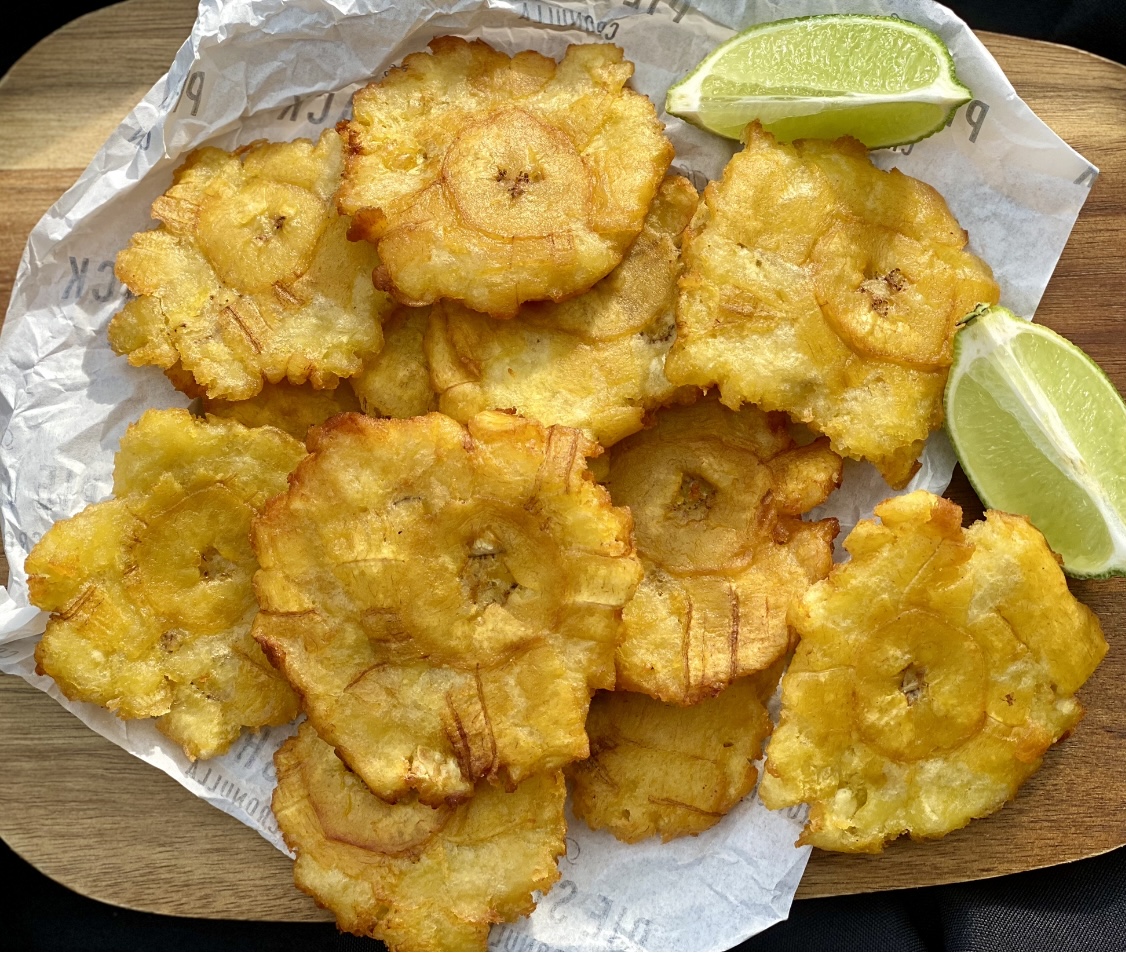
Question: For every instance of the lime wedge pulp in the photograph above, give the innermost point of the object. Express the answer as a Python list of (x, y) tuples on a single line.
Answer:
[(882, 80), (1041, 431)]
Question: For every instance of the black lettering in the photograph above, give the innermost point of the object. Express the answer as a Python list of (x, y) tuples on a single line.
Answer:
[(598, 909), (975, 115), (193, 91), (266, 818), (291, 110), (77, 281), (1087, 176), (507, 938), (324, 112), (142, 137), (640, 932), (250, 747), (563, 893), (109, 289)]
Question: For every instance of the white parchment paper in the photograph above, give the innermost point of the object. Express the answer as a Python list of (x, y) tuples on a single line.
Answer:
[(287, 68)]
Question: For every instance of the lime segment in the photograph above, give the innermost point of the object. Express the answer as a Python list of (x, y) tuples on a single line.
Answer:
[(1041, 431), (882, 80)]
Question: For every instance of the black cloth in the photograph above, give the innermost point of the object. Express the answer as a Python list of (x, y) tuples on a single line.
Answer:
[(1078, 906)]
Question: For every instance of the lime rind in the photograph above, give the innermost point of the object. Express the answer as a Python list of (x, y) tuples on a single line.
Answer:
[(990, 335), (728, 115)]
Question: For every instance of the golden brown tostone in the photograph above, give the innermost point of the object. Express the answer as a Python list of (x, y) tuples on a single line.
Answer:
[(250, 277), (717, 497), (446, 599), (594, 362), (415, 877), (934, 671), (151, 591), (657, 769), (818, 285), (494, 180)]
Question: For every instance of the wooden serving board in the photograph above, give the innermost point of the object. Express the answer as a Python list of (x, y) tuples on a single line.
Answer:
[(109, 826)]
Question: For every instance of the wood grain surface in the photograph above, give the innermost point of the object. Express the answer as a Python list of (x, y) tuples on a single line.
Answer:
[(111, 827)]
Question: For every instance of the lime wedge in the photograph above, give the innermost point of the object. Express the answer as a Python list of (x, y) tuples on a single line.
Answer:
[(882, 80), (1041, 431)]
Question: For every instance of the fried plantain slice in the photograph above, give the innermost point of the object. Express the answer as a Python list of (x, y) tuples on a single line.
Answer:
[(595, 362), (396, 381), (293, 408), (657, 769), (250, 276), (445, 599), (819, 285), (151, 592), (415, 877), (934, 671), (495, 180), (717, 497)]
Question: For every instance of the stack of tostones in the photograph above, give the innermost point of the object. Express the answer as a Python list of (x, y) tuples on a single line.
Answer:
[(451, 596), (934, 671), (250, 276), (595, 362), (495, 180), (662, 769), (717, 497), (818, 285), (416, 877), (396, 381), (151, 592), (293, 408), (445, 599)]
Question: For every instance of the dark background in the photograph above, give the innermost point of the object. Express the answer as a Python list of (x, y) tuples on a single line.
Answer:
[(1074, 906), (1098, 26)]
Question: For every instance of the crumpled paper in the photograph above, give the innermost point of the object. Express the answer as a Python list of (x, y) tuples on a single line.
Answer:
[(287, 68)]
